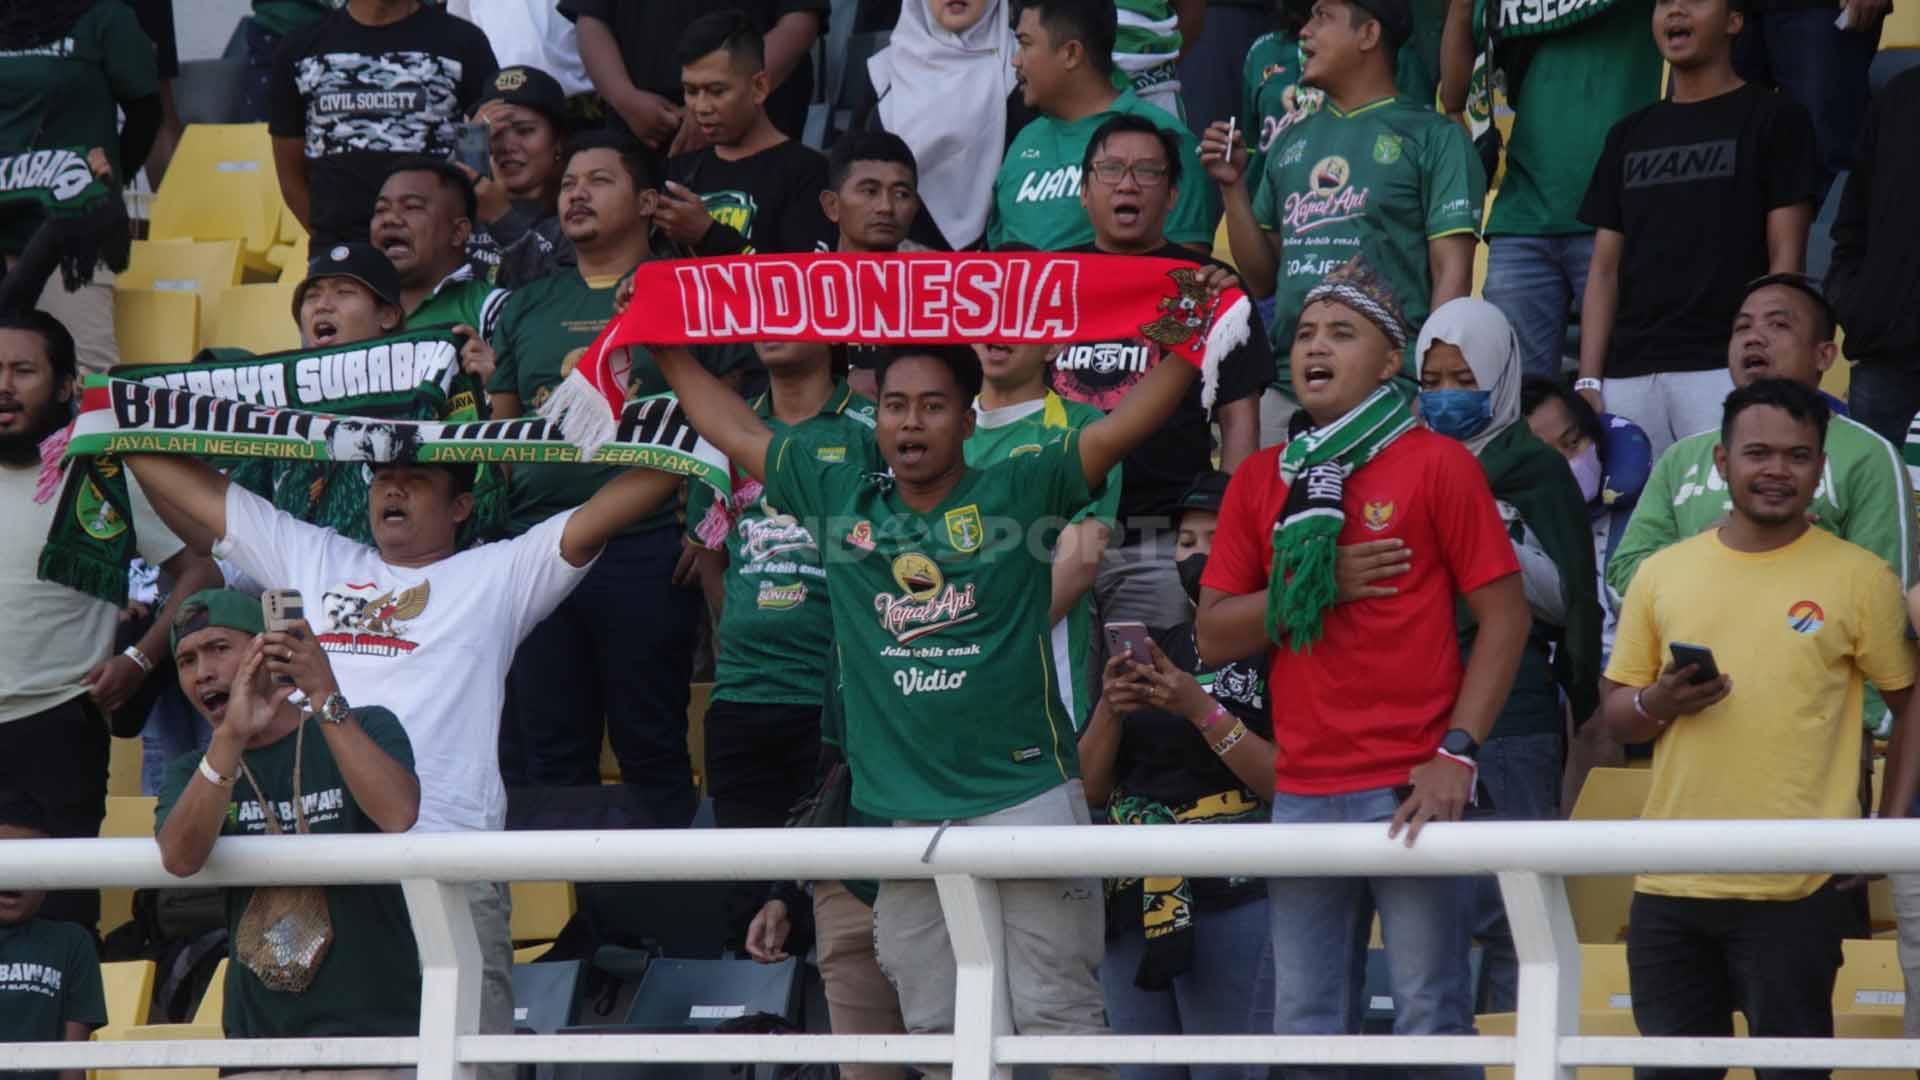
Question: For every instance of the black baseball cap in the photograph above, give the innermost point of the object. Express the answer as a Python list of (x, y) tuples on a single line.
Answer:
[(362, 262), (1396, 19), (530, 88), (1804, 284), (1207, 492)]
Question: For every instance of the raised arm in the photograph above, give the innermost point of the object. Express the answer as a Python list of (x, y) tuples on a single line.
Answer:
[(385, 789), (189, 495), (1141, 413), (718, 414), (623, 500)]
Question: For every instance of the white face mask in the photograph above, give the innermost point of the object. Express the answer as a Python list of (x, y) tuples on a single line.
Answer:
[(1586, 470)]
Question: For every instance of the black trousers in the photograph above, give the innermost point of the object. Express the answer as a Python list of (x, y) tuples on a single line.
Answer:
[(761, 760), (59, 758), (1691, 963)]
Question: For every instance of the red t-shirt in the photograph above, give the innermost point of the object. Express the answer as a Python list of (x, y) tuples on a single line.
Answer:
[(1374, 696)]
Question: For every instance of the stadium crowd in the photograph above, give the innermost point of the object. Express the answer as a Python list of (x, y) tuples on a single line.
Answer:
[(1414, 555)]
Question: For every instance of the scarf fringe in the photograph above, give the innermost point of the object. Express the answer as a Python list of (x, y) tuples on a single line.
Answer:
[(77, 570), (1230, 331), (582, 413)]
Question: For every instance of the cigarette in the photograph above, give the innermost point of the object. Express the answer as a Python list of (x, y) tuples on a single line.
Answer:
[(1233, 127)]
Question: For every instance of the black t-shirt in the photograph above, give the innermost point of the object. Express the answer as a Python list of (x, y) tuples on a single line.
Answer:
[(1690, 185), (771, 199), (1161, 756), (364, 96), (648, 32), (1159, 470)]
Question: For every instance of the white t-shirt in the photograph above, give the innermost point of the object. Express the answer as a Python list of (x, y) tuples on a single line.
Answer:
[(431, 643), (55, 633)]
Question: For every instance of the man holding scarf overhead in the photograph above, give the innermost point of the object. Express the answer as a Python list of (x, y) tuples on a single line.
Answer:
[(1470, 372), (1344, 551)]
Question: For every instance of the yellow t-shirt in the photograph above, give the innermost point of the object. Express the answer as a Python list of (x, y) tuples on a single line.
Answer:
[(1798, 629)]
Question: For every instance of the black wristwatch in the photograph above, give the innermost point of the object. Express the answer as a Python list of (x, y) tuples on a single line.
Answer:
[(1459, 744)]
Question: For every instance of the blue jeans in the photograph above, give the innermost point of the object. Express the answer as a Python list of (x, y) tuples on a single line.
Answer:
[(174, 727), (1885, 395), (1819, 65), (1320, 930), (619, 647), (1522, 775), (1229, 991), (1537, 282)]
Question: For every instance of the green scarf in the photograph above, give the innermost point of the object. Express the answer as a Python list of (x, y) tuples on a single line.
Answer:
[(1165, 904), (84, 220), (1528, 475), (1533, 18), (356, 379), (1315, 466), (91, 540)]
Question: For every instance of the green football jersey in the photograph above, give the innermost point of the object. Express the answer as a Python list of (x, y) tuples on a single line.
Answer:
[(940, 622), (776, 628), (49, 977), (66, 93), (1036, 196), (1579, 83), (1019, 430), (543, 331), (461, 300), (1381, 181), (369, 981), (1271, 69)]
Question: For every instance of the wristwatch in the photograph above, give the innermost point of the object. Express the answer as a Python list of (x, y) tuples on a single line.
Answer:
[(1460, 746), (334, 710)]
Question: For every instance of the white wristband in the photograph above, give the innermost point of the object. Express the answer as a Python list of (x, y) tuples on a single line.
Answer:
[(213, 777), (133, 653), (1594, 385)]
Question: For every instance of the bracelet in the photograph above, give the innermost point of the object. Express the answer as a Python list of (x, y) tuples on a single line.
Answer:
[(1231, 739), (1594, 385), (214, 777), (1461, 760), (1214, 719), (133, 653), (1641, 708)]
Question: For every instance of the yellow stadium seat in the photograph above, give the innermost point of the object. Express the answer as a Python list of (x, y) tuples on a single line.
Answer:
[(201, 266), (123, 767), (1902, 28), (540, 909), (257, 318), (154, 327), (221, 185), (527, 954), (1600, 904), (1604, 986), (127, 816), (213, 1003), (129, 987), (289, 261), (1870, 982)]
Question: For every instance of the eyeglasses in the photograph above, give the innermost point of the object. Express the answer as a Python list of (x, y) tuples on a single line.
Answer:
[(1147, 174)]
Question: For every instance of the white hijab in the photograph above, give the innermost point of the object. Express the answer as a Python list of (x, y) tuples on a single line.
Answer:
[(1486, 338), (946, 95)]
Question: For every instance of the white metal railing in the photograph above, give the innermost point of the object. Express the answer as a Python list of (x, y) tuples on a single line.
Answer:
[(1530, 859)]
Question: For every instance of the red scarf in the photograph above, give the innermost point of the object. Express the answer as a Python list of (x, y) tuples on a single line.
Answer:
[(896, 298)]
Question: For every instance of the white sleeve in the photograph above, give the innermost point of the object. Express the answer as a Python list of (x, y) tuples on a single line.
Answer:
[(541, 576), (267, 544), (151, 537)]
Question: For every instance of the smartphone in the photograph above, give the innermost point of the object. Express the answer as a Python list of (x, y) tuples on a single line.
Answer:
[(472, 147), (1698, 656), (282, 610), (1125, 636)]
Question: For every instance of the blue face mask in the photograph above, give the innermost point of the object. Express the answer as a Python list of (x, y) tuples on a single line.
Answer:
[(1457, 414)]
